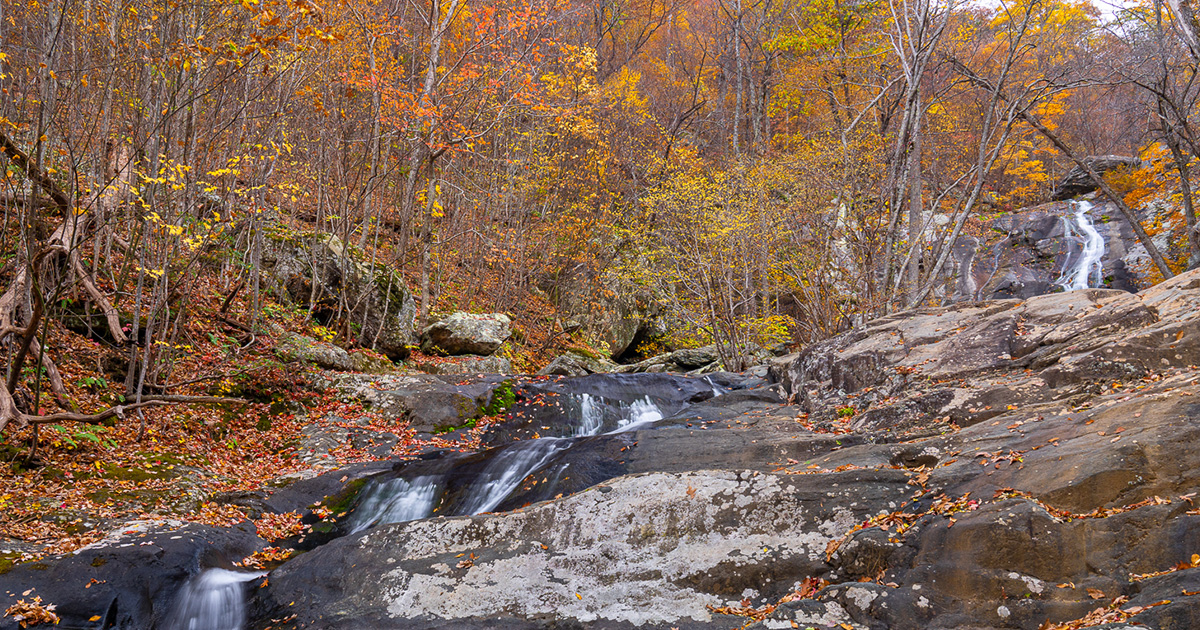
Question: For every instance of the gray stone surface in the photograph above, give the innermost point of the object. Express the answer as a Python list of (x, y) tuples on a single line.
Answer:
[(293, 347), (466, 365), (575, 364), (429, 402), (317, 269), (1077, 181), (645, 551), (467, 333)]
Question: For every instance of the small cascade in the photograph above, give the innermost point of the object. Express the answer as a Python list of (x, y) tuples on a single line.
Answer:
[(504, 473), (1083, 267), (717, 390), (597, 414), (213, 600), (591, 416), (395, 501), (641, 412), (473, 484)]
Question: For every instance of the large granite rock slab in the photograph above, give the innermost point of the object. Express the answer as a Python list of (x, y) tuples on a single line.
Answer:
[(467, 333)]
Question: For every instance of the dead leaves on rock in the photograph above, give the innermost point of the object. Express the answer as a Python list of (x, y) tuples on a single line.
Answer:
[(1012, 457), (32, 613), (1112, 613), (1100, 512), (273, 527), (808, 590), (267, 557), (1190, 563)]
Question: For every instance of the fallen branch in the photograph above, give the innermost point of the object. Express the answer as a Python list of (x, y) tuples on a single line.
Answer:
[(35, 174), (53, 375), (211, 377), (101, 302), (232, 294), (10, 414), (232, 323)]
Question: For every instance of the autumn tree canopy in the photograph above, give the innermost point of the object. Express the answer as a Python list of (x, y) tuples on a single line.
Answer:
[(764, 169)]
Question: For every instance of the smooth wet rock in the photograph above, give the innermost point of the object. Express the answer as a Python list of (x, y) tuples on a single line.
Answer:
[(130, 579), (467, 333), (649, 551)]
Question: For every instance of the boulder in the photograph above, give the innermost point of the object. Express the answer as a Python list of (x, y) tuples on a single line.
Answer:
[(293, 347), (576, 364), (467, 333), (428, 402), (317, 269), (370, 363), (700, 360), (692, 358), (466, 365), (615, 312), (1078, 182)]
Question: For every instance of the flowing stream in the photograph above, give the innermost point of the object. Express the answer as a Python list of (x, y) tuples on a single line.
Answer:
[(454, 484), (397, 500), (213, 600), (1083, 267)]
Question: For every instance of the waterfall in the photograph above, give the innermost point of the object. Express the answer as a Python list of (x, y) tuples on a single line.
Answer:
[(213, 600), (716, 389), (627, 416), (398, 500), (506, 471), (395, 501), (1083, 268), (591, 416), (641, 412)]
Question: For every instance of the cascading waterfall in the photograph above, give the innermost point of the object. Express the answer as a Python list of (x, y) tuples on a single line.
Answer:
[(641, 412), (1083, 268), (594, 411), (507, 470), (213, 600), (395, 501), (591, 416), (399, 500), (716, 389)]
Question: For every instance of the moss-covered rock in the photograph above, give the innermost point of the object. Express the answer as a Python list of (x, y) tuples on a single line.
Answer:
[(293, 347), (337, 280)]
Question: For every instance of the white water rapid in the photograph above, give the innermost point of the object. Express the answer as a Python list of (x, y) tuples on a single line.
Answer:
[(591, 416), (628, 416), (213, 600), (1083, 268), (641, 412), (399, 500), (507, 470), (395, 501)]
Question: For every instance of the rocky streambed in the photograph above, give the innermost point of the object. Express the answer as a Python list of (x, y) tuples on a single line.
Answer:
[(1000, 464)]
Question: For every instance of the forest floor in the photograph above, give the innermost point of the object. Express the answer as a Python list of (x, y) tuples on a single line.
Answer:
[(64, 486)]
